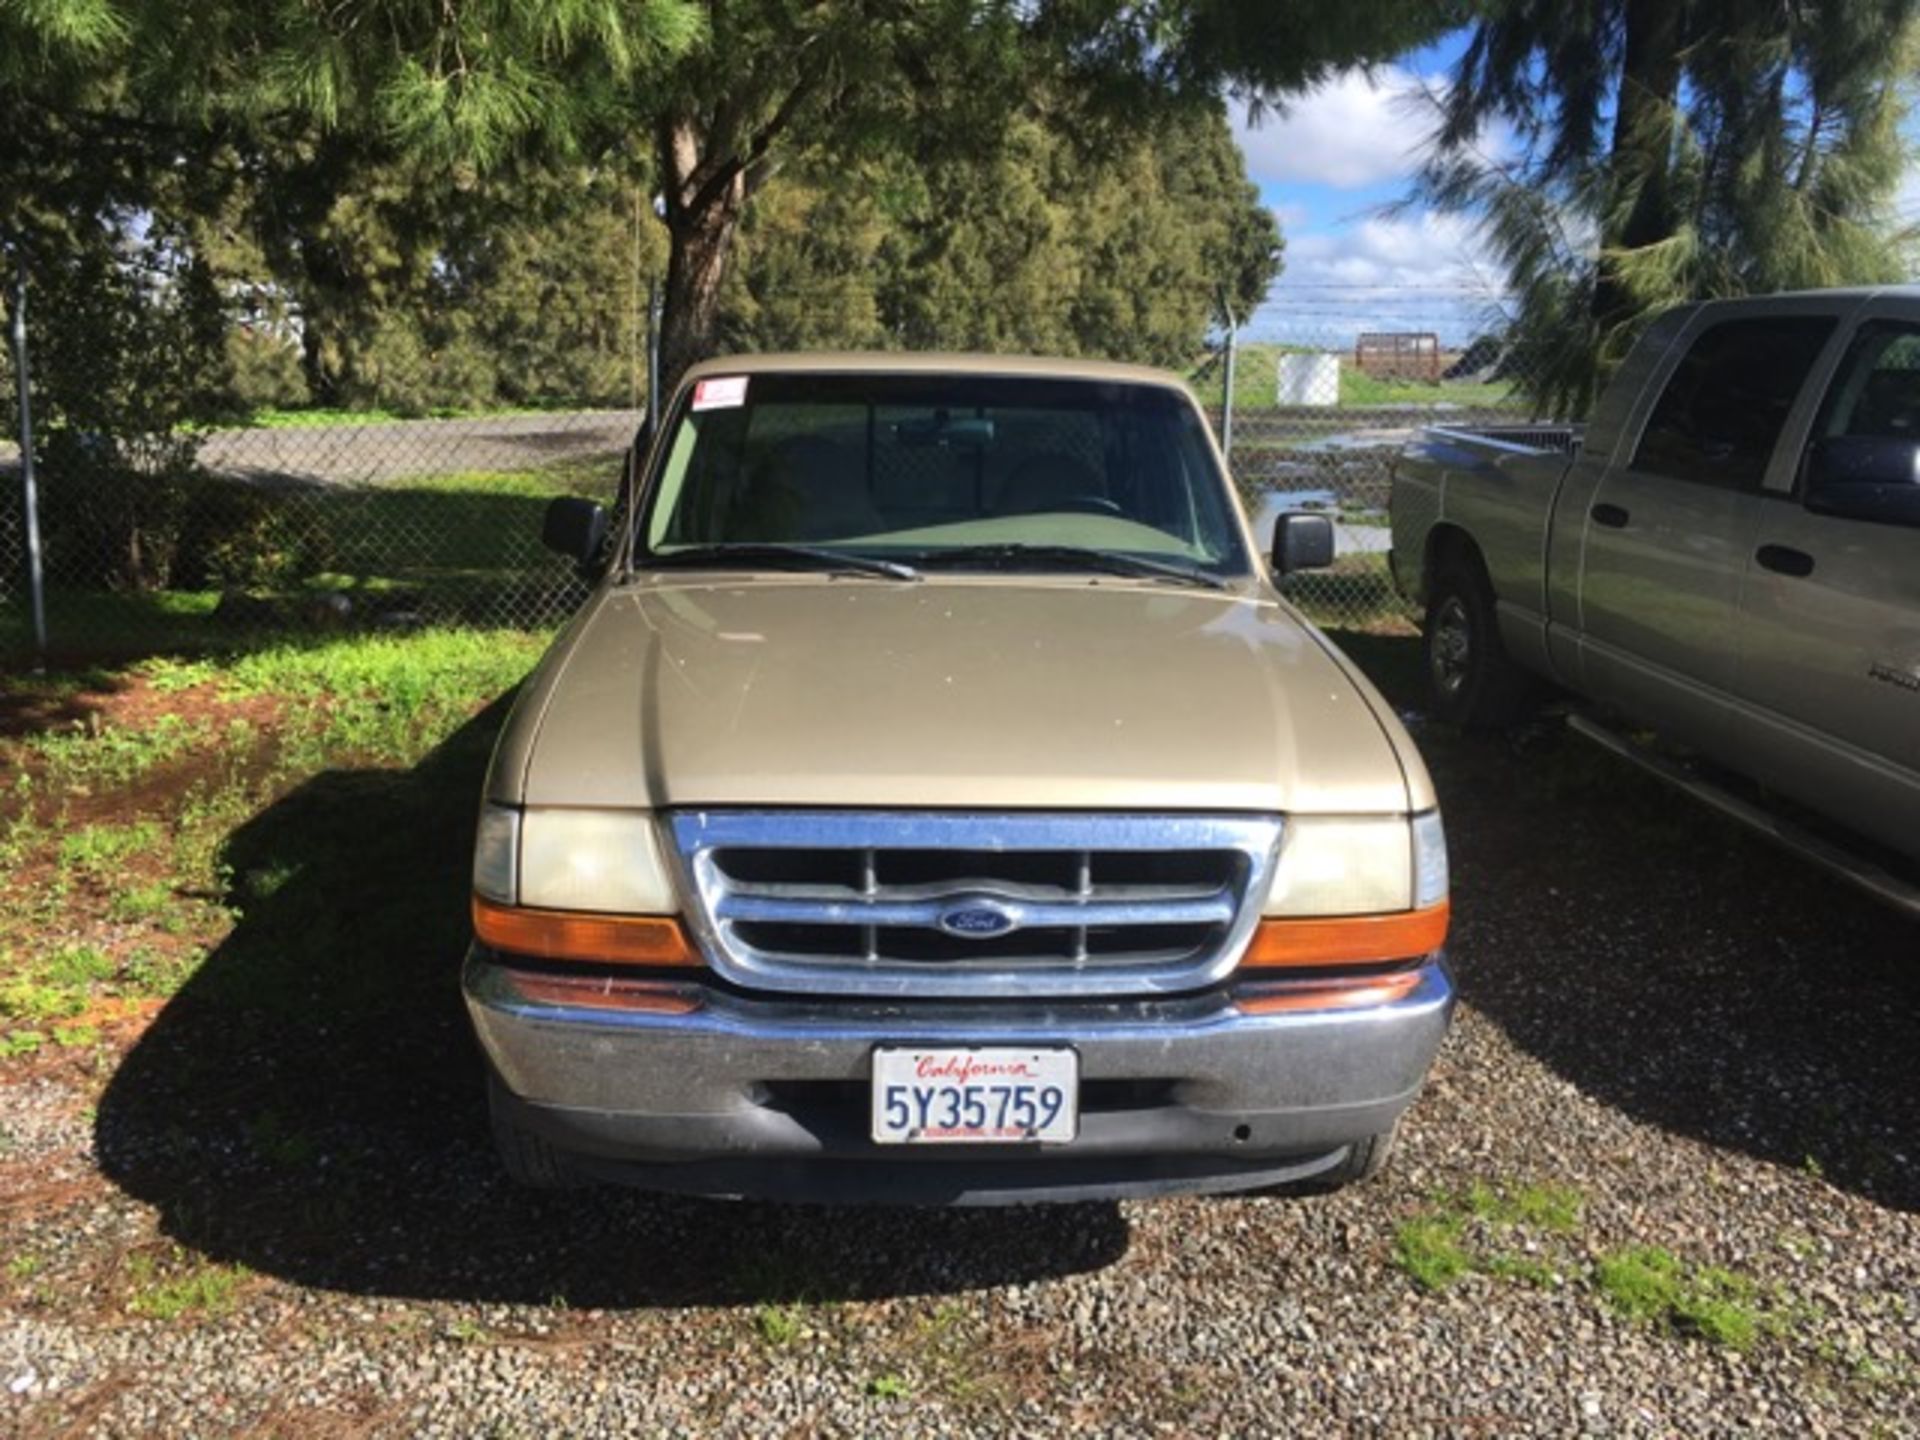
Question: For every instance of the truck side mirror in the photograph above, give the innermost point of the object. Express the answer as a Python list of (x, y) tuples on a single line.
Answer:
[(574, 527), (1865, 477), (1301, 542)]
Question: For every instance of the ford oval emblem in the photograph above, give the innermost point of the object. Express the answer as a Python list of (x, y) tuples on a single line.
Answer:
[(976, 919)]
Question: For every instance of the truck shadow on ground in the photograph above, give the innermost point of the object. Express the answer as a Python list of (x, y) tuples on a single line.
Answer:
[(1668, 962), (311, 1104)]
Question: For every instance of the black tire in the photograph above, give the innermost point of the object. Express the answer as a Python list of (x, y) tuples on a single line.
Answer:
[(1472, 681), (1365, 1159), (528, 1160)]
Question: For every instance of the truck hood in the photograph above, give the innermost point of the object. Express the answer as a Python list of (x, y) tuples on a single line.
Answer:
[(957, 692)]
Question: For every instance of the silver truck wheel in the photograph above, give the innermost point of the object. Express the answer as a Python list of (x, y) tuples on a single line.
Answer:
[(1451, 650), (1471, 680)]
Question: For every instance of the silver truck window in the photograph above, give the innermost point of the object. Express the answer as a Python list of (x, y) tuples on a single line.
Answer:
[(1726, 402), (1876, 395)]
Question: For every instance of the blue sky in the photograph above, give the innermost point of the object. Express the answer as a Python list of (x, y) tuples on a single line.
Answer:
[(1328, 166)]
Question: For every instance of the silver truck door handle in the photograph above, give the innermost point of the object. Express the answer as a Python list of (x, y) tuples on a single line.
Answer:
[(1611, 516), (1784, 560)]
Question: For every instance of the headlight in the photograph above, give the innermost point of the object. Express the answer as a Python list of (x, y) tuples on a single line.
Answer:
[(496, 854), (604, 860), (1359, 865)]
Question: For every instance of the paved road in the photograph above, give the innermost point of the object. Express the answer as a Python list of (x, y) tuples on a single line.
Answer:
[(372, 453), (362, 454)]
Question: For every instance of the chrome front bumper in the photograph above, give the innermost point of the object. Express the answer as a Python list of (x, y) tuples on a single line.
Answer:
[(768, 1096)]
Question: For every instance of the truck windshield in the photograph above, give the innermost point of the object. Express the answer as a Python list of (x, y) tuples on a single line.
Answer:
[(947, 471)]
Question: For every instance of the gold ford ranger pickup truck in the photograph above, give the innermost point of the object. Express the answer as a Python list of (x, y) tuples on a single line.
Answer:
[(935, 802)]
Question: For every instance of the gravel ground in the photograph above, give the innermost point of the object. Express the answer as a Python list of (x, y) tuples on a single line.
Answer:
[(1707, 1049)]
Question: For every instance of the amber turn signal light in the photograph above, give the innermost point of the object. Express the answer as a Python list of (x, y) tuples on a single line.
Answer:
[(579, 935), (1295, 996), (1348, 939)]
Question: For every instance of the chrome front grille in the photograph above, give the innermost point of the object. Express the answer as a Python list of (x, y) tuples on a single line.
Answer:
[(936, 903)]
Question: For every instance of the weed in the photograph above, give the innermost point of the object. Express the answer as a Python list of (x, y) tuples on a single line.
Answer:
[(100, 850), (20, 1042), (1525, 1268), (143, 902), (780, 1325), (275, 1143), (206, 1289), (76, 1037), (1428, 1248), (89, 754), (467, 1331), (1653, 1285), (24, 1266), (889, 1387)]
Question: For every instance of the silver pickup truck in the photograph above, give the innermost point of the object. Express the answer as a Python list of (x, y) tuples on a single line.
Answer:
[(1728, 555)]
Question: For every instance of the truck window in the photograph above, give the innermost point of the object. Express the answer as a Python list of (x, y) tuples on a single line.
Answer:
[(1723, 409), (1876, 394), (896, 465)]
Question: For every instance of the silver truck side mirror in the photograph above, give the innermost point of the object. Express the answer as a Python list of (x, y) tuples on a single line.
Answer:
[(1301, 542)]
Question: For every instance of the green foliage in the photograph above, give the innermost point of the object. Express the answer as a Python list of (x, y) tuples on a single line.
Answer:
[(1654, 1286), (1428, 1248), (1468, 1234), (177, 1287), (1674, 152)]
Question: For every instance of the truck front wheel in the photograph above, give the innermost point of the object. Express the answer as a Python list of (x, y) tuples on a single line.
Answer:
[(1472, 681)]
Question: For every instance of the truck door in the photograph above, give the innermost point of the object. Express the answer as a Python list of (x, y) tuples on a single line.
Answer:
[(1829, 660), (1668, 531)]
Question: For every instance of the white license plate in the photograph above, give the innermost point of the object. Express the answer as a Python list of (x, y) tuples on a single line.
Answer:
[(961, 1096)]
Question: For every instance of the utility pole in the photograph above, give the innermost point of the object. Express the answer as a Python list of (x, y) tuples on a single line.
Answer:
[(36, 580)]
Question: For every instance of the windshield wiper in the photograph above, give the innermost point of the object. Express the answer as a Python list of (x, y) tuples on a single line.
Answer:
[(782, 557), (1078, 557)]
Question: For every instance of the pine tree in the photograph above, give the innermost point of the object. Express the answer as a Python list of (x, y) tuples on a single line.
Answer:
[(1670, 150)]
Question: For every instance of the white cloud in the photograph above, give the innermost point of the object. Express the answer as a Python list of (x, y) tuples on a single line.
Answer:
[(1417, 250), (1354, 131)]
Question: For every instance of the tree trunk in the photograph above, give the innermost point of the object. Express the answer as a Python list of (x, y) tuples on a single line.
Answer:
[(705, 198), (700, 245), (1639, 209)]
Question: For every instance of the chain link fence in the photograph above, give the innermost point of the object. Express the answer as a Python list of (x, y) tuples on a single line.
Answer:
[(306, 522)]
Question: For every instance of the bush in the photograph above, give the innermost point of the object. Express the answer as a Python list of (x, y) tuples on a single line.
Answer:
[(240, 537), (267, 374), (113, 510)]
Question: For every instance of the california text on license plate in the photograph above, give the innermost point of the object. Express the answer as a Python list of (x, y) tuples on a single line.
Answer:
[(974, 1096)]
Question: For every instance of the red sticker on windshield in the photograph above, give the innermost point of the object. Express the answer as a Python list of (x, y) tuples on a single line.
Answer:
[(722, 393)]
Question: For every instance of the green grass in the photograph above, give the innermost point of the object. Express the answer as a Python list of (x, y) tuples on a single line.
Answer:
[(780, 1325), (197, 1289), (1256, 379), (102, 851), (168, 878), (1654, 1286), (273, 418), (1474, 1232), (459, 548), (1430, 1249)]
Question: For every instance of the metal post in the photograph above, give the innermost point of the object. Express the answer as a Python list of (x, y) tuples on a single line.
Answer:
[(653, 355), (36, 581), (1226, 409), (633, 309)]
